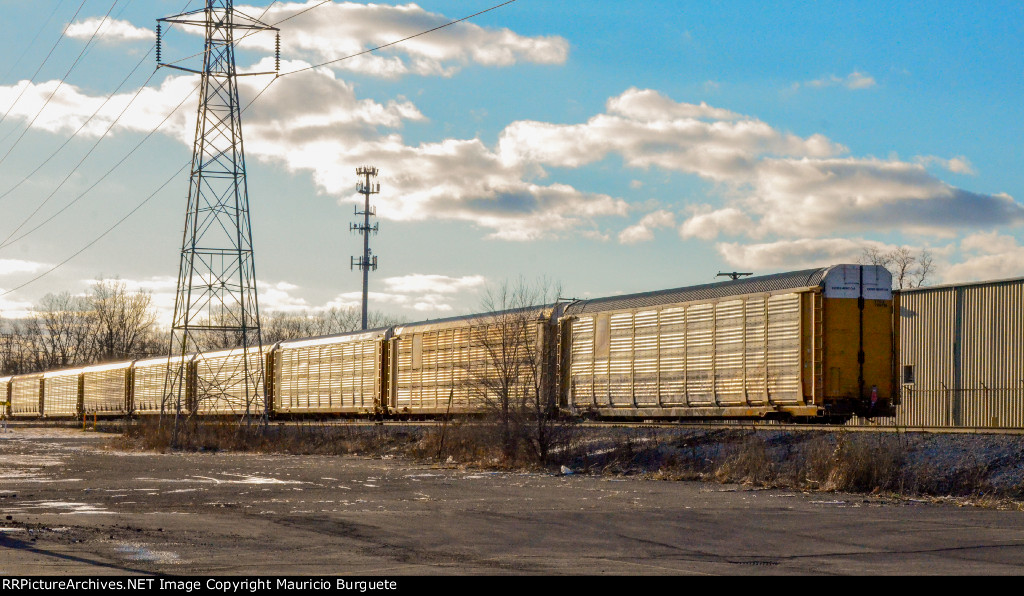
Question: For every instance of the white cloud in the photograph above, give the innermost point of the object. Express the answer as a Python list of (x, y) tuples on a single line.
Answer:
[(986, 256), (340, 29), (647, 105), (708, 223), (12, 308), (334, 131), (648, 129), (855, 80), (796, 254), (112, 30), (956, 165), (433, 284), (822, 197), (643, 231), (430, 303), (277, 297), (771, 183), (12, 266)]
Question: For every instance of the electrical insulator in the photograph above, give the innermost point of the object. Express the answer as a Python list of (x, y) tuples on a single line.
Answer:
[(277, 54), (158, 43)]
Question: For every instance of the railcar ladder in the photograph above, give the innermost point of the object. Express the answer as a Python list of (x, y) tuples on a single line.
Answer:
[(818, 349)]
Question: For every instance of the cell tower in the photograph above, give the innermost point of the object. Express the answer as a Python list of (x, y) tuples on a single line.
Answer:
[(367, 261), (216, 305)]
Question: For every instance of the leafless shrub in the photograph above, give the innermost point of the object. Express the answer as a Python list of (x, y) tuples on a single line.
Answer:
[(967, 477), (866, 464), (808, 464), (514, 379), (748, 462)]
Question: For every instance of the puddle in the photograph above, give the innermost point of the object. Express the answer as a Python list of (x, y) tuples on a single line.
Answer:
[(137, 552), (235, 479), (61, 507)]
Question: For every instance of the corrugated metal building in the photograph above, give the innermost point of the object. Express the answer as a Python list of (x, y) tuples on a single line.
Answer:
[(962, 355)]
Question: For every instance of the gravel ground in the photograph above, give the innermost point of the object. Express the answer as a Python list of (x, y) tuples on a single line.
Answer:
[(73, 505)]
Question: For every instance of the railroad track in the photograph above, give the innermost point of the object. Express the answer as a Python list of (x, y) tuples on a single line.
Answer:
[(111, 423)]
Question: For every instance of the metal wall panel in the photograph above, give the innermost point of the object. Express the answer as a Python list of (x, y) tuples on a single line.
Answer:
[(105, 388), (993, 337), (926, 338), (60, 393), (966, 346), (25, 395), (337, 374)]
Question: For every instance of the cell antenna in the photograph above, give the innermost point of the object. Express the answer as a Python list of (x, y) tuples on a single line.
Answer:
[(365, 263), (216, 305)]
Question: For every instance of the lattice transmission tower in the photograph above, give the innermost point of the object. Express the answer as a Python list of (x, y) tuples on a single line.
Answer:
[(216, 306), (368, 261)]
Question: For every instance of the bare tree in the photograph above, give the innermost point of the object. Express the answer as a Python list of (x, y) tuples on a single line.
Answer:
[(909, 269), (124, 321), (515, 380), (63, 334), (279, 326)]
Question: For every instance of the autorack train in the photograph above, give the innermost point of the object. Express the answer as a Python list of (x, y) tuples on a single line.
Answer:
[(811, 345)]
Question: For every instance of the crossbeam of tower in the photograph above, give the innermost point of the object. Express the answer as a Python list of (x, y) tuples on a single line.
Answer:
[(216, 305)]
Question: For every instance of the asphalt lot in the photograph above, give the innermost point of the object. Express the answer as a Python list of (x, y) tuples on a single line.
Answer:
[(68, 506)]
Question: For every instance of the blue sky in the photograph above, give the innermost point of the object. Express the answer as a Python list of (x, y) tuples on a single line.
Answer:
[(614, 147)]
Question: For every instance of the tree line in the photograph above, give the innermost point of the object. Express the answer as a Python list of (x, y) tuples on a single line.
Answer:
[(109, 323)]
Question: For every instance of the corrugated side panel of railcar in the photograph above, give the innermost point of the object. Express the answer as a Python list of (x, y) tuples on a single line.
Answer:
[(105, 388), (736, 356), (26, 400), (457, 361), (438, 364), (230, 382), (5, 395), (148, 378), (60, 393), (328, 375)]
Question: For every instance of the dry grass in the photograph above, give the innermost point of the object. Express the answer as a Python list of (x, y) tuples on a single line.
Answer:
[(838, 461), (311, 438)]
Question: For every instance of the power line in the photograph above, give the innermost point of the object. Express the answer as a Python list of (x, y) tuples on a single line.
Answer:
[(147, 199), (42, 28), (8, 242), (82, 127), (5, 242), (101, 236), (126, 216), (41, 65), (57, 88)]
